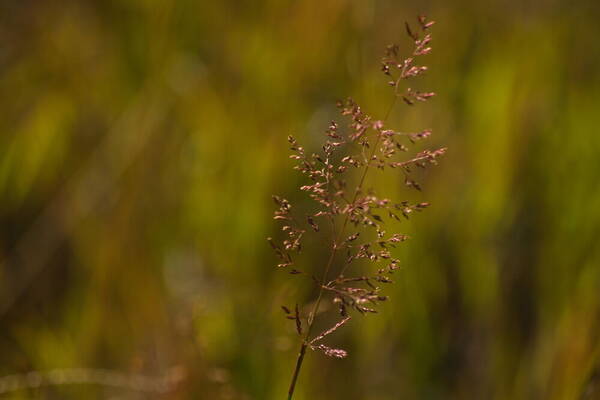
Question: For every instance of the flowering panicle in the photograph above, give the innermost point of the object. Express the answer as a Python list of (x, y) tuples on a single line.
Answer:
[(355, 216)]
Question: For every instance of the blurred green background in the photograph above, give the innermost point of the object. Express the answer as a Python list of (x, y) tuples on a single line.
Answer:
[(142, 140)]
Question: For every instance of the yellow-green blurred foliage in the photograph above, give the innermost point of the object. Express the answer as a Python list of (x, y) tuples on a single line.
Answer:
[(142, 140)]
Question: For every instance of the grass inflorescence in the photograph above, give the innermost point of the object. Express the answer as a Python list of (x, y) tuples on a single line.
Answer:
[(352, 213)]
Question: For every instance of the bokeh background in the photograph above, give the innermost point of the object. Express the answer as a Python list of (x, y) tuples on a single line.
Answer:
[(142, 140)]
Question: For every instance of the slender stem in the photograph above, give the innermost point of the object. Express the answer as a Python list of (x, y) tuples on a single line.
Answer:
[(334, 247), (311, 318), (297, 370)]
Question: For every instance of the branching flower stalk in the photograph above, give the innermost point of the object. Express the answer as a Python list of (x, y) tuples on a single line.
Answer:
[(354, 215)]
